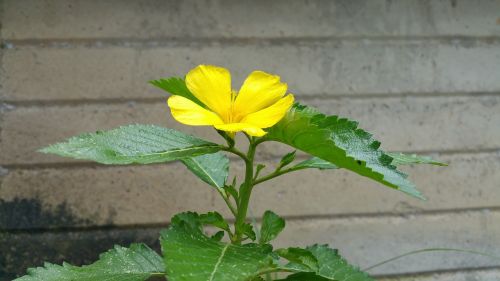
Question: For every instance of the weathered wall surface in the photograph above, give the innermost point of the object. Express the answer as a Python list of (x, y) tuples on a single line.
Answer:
[(423, 76)]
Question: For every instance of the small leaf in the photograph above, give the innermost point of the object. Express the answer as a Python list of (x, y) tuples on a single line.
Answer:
[(408, 159), (287, 159), (334, 267), (331, 266), (315, 162), (258, 169), (210, 168), (248, 231), (301, 257), (214, 219), (139, 144), (232, 191), (136, 263), (218, 236), (272, 225), (176, 86)]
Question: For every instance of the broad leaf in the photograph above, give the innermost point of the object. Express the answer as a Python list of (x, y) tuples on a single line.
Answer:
[(210, 168), (190, 255), (272, 225), (341, 142), (136, 263), (408, 159), (330, 266), (141, 144), (176, 86), (315, 162)]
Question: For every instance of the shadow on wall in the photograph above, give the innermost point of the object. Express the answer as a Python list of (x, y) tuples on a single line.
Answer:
[(30, 235)]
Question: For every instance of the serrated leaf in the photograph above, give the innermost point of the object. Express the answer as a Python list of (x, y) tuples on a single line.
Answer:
[(133, 144), (272, 225), (190, 255), (287, 159), (332, 266), (176, 86), (408, 159), (210, 168), (341, 142), (300, 259), (136, 263), (214, 219), (248, 231), (315, 162)]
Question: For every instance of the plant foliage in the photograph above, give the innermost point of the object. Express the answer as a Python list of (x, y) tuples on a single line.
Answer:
[(136, 263), (340, 142)]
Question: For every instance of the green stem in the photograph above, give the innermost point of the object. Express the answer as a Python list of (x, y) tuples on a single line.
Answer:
[(228, 201), (245, 191), (273, 175)]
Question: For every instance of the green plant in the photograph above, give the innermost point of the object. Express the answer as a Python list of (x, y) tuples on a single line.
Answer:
[(263, 112)]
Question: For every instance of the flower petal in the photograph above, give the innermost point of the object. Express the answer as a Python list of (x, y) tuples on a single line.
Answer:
[(271, 115), (212, 86), (259, 91), (188, 112), (237, 127)]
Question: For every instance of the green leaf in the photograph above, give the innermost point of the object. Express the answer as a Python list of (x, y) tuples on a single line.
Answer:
[(214, 219), (287, 159), (248, 231), (141, 144), (218, 236), (300, 259), (408, 159), (210, 168), (272, 225), (330, 266), (315, 162), (304, 276), (341, 142), (136, 263), (176, 86), (190, 255)]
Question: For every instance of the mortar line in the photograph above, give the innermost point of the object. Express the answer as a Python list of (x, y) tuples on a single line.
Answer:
[(425, 273), (79, 165), (305, 97), (163, 41), (288, 218)]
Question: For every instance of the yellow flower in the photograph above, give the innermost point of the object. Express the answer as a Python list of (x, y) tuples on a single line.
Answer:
[(260, 103)]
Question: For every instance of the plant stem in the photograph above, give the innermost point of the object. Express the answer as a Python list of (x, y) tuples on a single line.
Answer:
[(245, 191), (273, 175), (228, 202)]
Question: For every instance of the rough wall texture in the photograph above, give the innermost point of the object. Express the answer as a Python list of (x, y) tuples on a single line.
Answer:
[(423, 76)]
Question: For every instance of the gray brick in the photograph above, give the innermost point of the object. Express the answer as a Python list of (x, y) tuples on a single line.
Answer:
[(367, 241), (401, 124), (330, 68), (146, 19), (472, 275), (51, 197)]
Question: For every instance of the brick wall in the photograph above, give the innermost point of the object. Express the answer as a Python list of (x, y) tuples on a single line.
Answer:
[(423, 76)]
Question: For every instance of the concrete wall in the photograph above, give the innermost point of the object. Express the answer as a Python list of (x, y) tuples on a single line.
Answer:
[(423, 76)]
